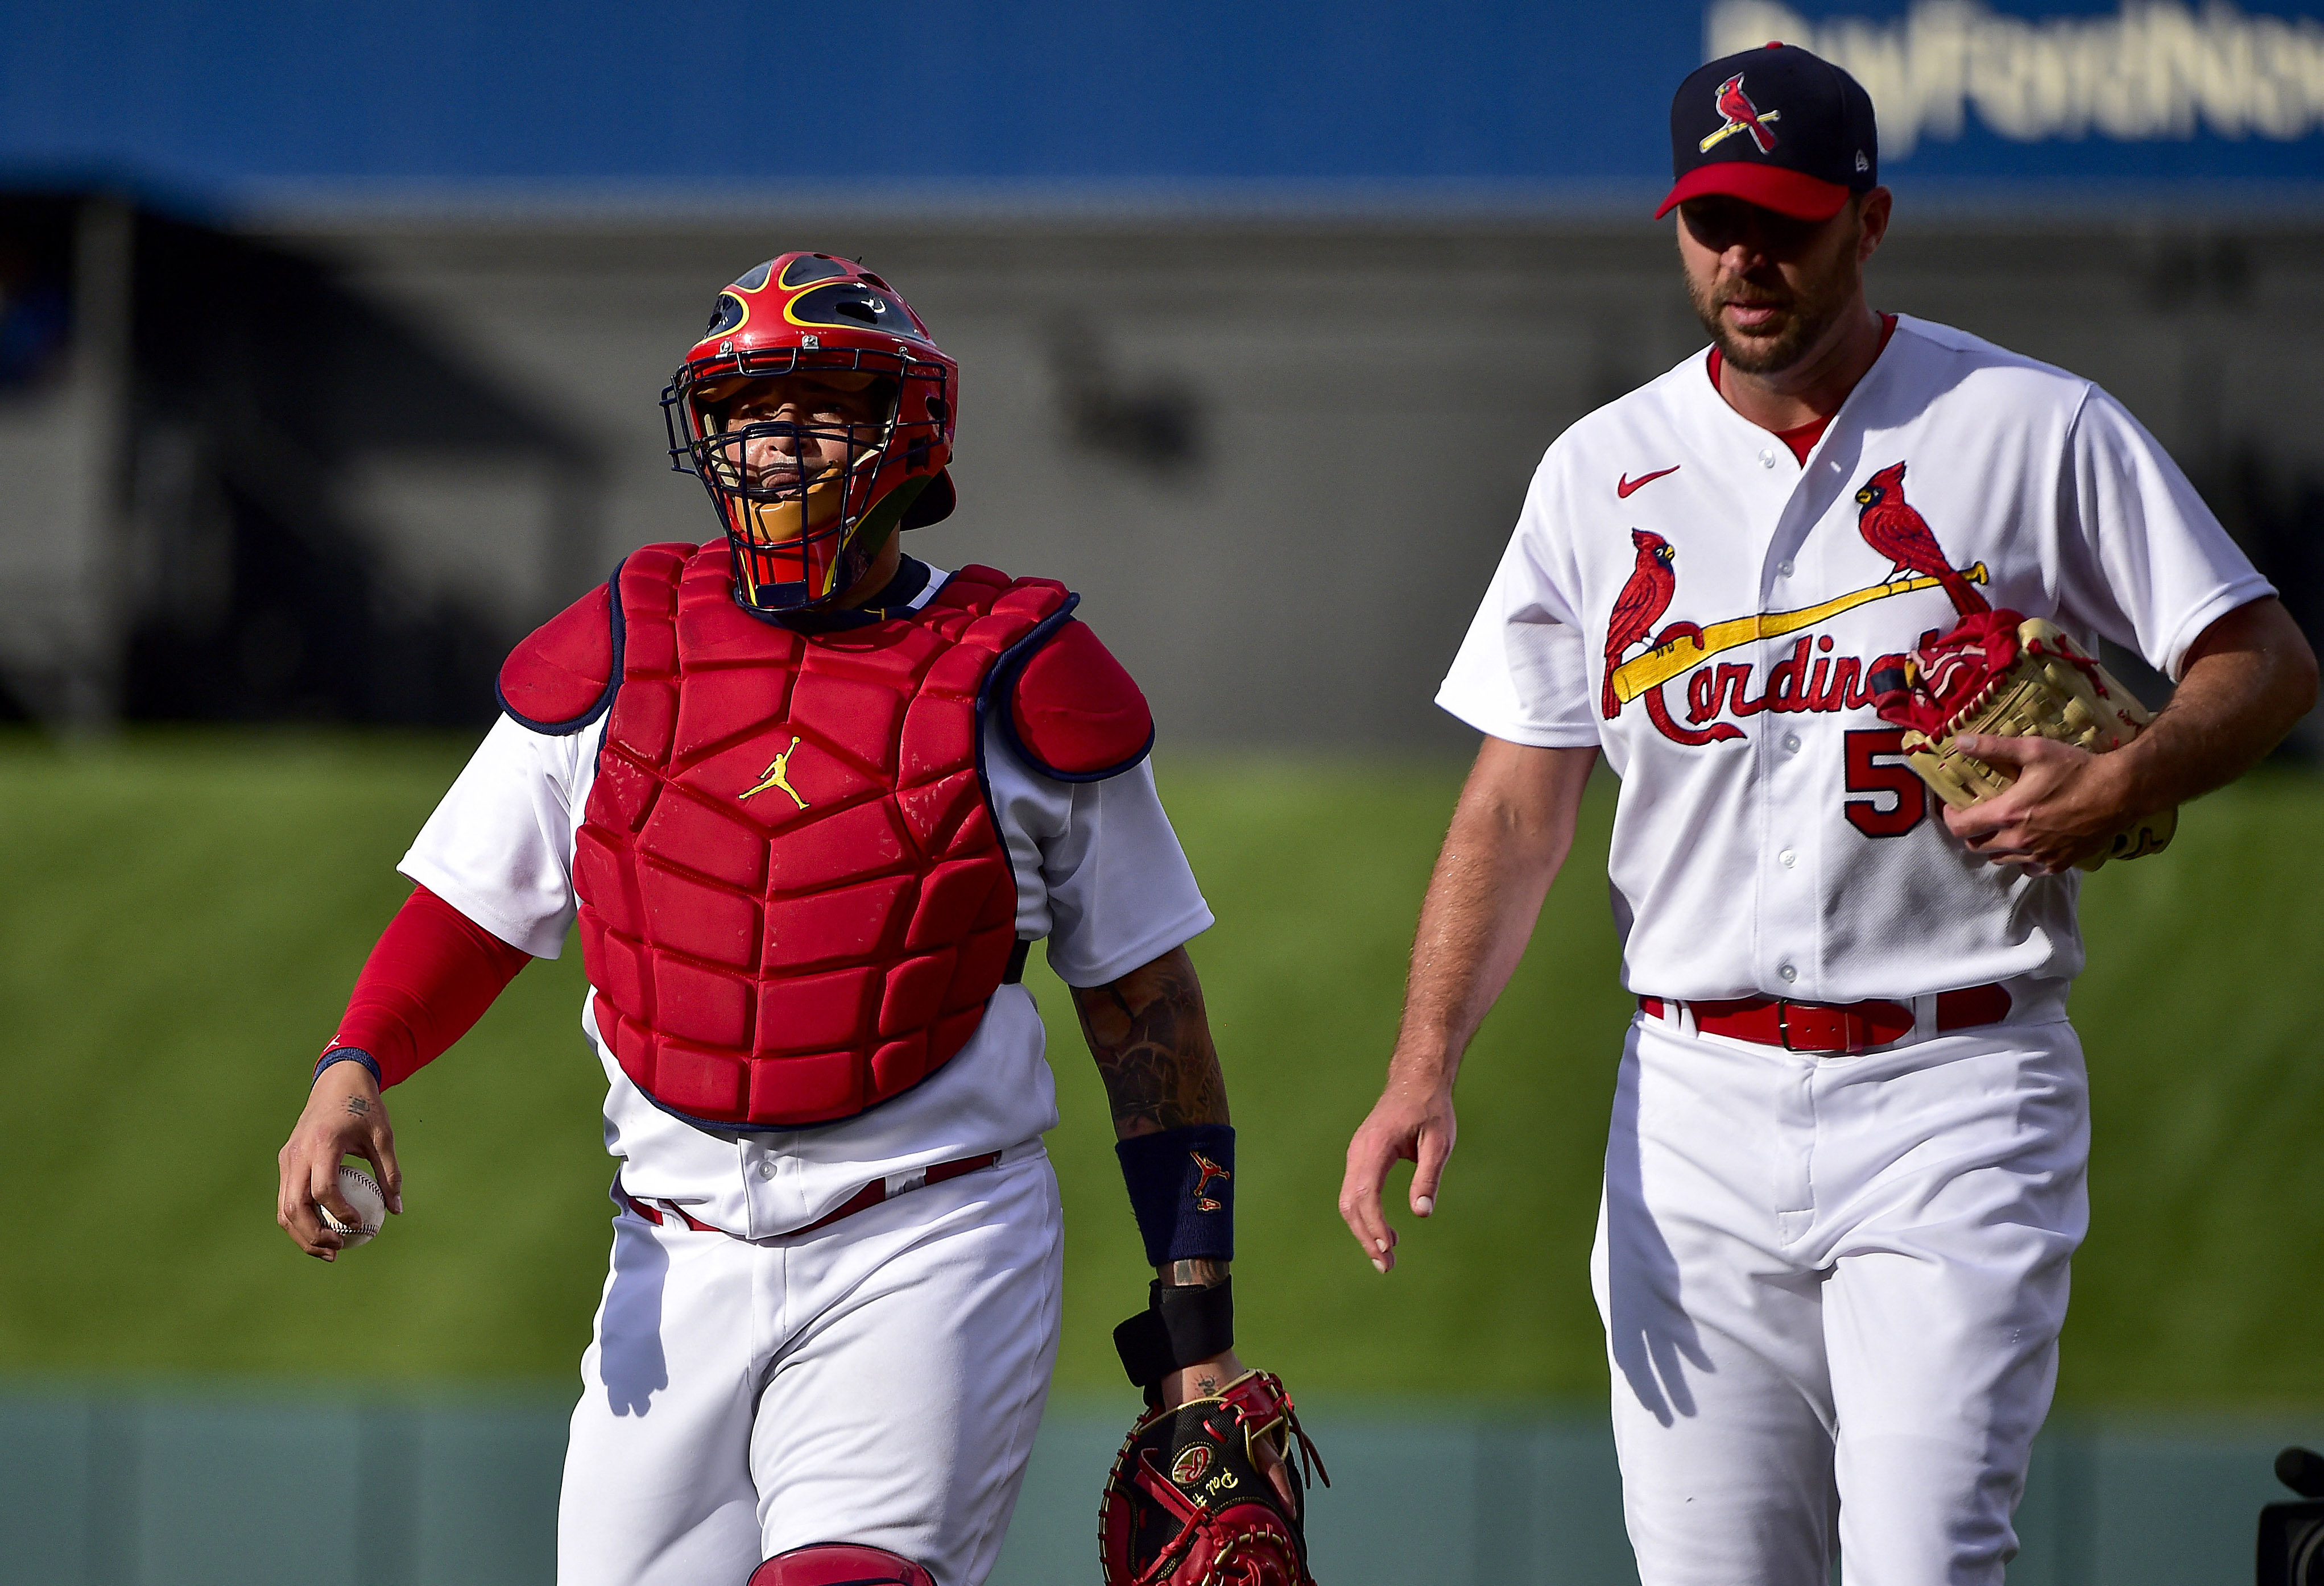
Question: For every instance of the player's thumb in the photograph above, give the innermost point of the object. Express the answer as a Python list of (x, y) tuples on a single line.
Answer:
[(323, 1189), (1428, 1168)]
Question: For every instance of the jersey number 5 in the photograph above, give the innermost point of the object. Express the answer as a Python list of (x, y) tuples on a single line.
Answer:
[(1899, 799)]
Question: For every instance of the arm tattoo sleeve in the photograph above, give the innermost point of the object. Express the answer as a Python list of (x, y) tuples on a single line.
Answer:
[(1152, 1043)]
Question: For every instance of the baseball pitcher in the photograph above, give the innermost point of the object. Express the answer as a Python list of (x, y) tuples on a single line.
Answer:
[(1837, 552)]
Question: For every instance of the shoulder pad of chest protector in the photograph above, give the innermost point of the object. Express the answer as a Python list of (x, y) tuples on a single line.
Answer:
[(1075, 714), (563, 676)]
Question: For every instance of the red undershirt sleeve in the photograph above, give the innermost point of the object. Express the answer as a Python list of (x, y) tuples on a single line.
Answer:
[(430, 978)]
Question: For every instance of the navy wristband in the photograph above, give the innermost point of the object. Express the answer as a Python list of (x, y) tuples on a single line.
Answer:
[(1181, 1189), (348, 1054)]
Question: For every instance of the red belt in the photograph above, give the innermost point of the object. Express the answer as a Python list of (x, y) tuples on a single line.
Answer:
[(863, 1200), (1836, 1027)]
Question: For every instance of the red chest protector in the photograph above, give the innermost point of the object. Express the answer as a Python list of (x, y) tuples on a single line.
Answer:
[(794, 903)]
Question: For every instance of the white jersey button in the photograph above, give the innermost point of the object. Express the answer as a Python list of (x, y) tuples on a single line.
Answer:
[(1788, 858), (1791, 742), (767, 1168), (1784, 567), (1788, 974), (1766, 459)]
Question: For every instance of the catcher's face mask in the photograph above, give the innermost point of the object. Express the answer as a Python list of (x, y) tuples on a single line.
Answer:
[(792, 463), (818, 415)]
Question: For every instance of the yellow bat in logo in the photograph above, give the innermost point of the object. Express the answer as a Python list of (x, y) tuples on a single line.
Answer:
[(1681, 656)]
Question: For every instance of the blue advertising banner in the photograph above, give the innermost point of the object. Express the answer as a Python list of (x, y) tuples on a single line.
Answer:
[(2153, 91), (1297, 100)]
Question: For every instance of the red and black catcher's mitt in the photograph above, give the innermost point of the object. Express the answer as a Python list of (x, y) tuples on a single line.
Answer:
[(1186, 1504)]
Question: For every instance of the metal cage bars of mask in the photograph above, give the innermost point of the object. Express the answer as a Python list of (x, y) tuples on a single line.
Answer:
[(752, 507), (743, 507), (681, 416)]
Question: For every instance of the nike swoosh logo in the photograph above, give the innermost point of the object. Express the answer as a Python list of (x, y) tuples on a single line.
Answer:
[(1626, 484)]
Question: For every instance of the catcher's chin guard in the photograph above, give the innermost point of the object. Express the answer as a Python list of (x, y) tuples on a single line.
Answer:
[(1998, 672), (839, 1563), (1186, 1504)]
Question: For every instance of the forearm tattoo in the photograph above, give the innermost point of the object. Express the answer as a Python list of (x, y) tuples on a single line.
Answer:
[(1152, 1043)]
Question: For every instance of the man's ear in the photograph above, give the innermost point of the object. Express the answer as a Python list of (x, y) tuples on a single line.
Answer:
[(1873, 210)]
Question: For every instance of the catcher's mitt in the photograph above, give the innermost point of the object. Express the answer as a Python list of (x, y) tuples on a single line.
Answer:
[(1186, 1504), (2014, 677)]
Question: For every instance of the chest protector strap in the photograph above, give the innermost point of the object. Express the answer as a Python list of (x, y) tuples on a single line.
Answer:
[(794, 900)]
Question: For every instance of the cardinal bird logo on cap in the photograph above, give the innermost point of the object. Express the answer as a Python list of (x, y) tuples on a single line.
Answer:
[(1743, 116)]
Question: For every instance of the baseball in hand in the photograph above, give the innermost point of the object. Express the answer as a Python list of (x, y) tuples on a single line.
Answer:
[(361, 1191)]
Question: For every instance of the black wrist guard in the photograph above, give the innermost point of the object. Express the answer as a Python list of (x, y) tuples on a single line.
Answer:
[(1178, 1327)]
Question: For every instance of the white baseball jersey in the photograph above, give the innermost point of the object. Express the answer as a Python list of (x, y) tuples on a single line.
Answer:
[(1100, 873), (1832, 1282), (1769, 838)]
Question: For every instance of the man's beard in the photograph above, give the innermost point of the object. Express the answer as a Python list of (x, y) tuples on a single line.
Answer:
[(1806, 317)]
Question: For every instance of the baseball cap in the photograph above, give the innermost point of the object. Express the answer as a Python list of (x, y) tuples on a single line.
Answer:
[(1777, 127)]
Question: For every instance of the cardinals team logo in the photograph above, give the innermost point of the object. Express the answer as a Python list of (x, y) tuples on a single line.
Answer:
[(1804, 680), (1899, 533), (1206, 1170), (1742, 117), (1638, 608)]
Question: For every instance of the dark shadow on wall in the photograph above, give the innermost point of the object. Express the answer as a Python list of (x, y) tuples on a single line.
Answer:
[(253, 387), (260, 380), (301, 626), (2276, 513), (1154, 423)]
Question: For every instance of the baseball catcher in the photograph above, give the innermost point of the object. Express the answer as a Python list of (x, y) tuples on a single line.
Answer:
[(809, 802)]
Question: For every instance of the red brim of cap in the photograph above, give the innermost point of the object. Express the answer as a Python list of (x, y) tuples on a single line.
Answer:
[(1771, 187)]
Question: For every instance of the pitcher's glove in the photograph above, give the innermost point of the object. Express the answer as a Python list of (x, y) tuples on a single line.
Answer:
[(2014, 677), (1186, 1504)]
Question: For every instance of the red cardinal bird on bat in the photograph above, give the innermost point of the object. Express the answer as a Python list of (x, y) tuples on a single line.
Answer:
[(1736, 105), (1639, 607), (1896, 531)]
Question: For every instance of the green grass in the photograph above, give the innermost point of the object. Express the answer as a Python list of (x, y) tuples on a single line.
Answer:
[(181, 915)]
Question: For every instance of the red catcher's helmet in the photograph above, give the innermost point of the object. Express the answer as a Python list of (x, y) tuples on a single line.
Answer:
[(801, 539)]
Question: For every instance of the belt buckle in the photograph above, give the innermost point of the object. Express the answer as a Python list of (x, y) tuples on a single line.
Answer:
[(1853, 1028)]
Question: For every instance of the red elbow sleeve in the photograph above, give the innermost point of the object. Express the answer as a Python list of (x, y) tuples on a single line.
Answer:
[(430, 978)]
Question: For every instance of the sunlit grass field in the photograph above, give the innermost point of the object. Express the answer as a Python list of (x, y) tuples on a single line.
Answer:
[(181, 915)]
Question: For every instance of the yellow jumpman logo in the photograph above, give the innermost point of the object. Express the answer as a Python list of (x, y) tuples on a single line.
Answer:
[(776, 775)]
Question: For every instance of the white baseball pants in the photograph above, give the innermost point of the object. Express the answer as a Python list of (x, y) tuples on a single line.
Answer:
[(1832, 1288), (877, 1381)]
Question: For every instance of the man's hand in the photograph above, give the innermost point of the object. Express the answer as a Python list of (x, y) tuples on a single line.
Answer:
[(2245, 681), (1508, 837), (344, 1117), (1204, 1380), (2065, 804), (1413, 1121)]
